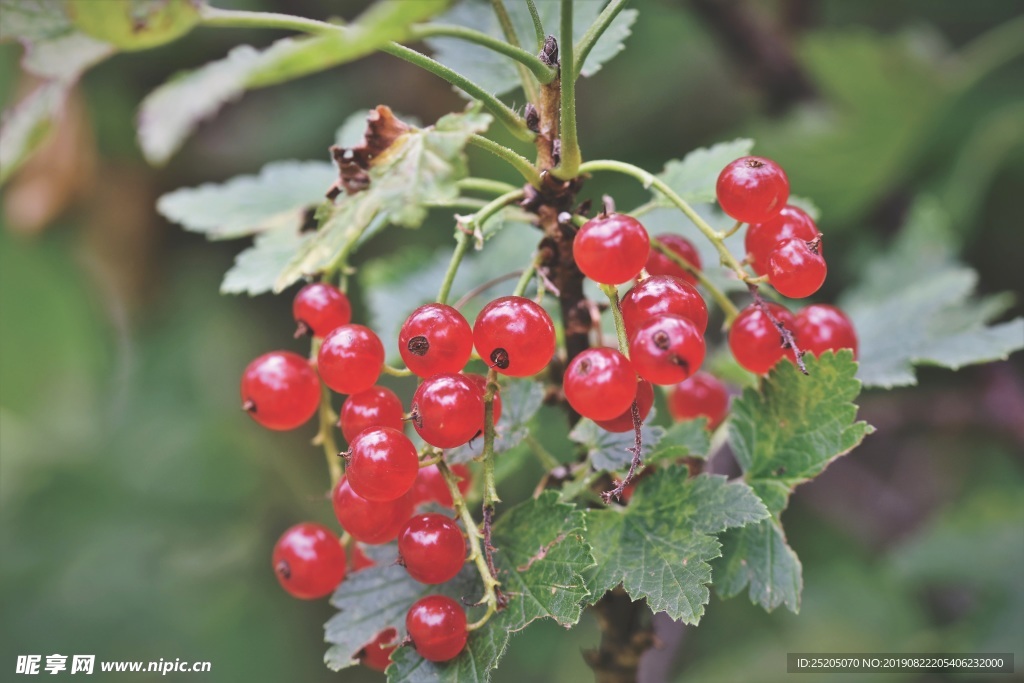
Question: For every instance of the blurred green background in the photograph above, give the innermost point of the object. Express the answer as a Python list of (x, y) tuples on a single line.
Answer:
[(138, 505)]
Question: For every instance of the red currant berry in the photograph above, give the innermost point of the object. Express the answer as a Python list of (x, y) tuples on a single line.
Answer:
[(663, 295), (611, 249), (432, 548), (437, 626), (481, 382), (624, 422), (319, 308), (752, 189), (755, 342), (358, 559), (280, 390), (447, 410), (667, 349), (821, 327), (515, 335), (375, 407), (796, 269), (791, 223), (366, 521), (435, 339), (701, 395), (660, 264), (376, 654), (382, 464), (350, 359), (430, 486), (309, 561), (600, 384)]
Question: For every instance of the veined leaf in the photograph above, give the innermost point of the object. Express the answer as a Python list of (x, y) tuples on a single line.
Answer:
[(694, 176), (257, 267)]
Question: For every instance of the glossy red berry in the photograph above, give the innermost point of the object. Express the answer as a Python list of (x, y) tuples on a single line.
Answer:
[(382, 464), (447, 410), (319, 308), (752, 189), (437, 626), (366, 521), (701, 395), (624, 422), (481, 382), (663, 295), (376, 654), (600, 383), (755, 342), (430, 486), (660, 264), (611, 249), (761, 238), (822, 327), (280, 390), (309, 561), (667, 349), (435, 339), (796, 269), (350, 359), (514, 335), (375, 407), (432, 548)]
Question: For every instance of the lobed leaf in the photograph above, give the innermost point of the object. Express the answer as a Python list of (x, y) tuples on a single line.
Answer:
[(609, 451), (694, 176), (256, 268)]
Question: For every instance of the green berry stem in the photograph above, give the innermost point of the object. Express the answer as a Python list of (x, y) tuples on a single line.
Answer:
[(727, 306), (516, 160), (327, 419), (395, 372), (538, 27), (733, 230), (543, 455), (620, 326), (509, 31), (226, 18), (485, 185), (569, 166)]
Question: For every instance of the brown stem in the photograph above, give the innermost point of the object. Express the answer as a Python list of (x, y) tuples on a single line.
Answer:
[(788, 340), (626, 634), (488, 515), (636, 450)]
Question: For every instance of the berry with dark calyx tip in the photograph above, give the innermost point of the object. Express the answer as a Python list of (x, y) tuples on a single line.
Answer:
[(382, 464), (761, 238), (611, 249), (660, 264), (432, 548), (430, 486), (447, 410), (437, 626), (358, 559), (702, 395), (667, 349), (366, 521), (280, 390), (350, 359), (624, 422), (796, 269), (515, 336), (376, 654), (435, 339), (663, 295), (309, 561), (375, 407), (755, 342), (752, 189), (822, 327), (600, 383), (319, 308), (481, 382)]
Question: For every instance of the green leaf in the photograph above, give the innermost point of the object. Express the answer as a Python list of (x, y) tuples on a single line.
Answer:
[(483, 650), (609, 451), (520, 401), (689, 438), (660, 545), (256, 268), (134, 24), (28, 124), (693, 178), (611, 42), (759, 557), (54, 48)]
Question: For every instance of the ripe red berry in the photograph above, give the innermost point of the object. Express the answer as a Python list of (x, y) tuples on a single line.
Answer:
[(611, 249), (667, 349), (376, 654), (752, 189), (280, 390), (624, 422), (432, 548), (481, 382), (366, 521), (600, 383), (796, 269), (761, 239), (309, 561), (430, 486), (515, 335), (350, 359), (375, 407), (447, 410), (435, 339), (660, 264), (663, 295), (701, 395), (382, 464), (755, 342), (319, 308), (437, 626), (822, 327)]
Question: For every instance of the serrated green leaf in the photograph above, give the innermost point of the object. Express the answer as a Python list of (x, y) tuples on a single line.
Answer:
[(520, 401), (28, 124), (54, 48), (256, 268), (694, 177), (689, 438), (483, 650), (609, 451), (660, 545), (759, 557)]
